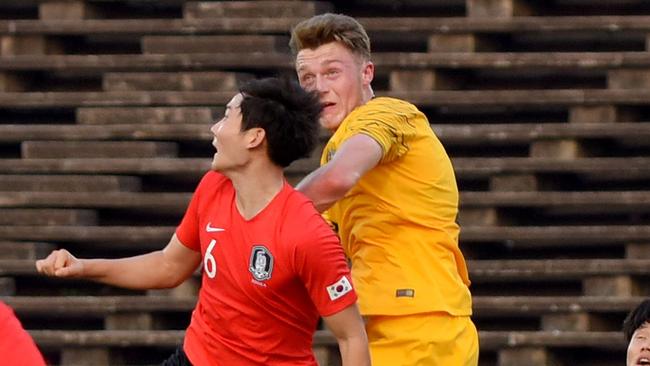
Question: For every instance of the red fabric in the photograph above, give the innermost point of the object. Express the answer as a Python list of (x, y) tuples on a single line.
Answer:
[(16, 346), (241, 319)]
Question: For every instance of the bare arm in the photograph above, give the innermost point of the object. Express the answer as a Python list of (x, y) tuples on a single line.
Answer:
[(332, 181), (348, 328), (160, 269)]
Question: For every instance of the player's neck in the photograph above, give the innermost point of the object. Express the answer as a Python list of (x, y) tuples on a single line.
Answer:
[(367, 94), (256, 188)]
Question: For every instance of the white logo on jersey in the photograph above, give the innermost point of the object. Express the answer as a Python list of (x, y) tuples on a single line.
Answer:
[(211, 229), (339, 288), (261, 263)]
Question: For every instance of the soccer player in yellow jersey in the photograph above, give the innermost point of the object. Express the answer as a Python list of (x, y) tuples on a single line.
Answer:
[(388, 185)]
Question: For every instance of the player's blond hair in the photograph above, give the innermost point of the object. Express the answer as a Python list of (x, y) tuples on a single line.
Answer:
[(326, 28)]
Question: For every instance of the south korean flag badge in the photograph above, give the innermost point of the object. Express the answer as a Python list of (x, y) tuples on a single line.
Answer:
[(339, 288)]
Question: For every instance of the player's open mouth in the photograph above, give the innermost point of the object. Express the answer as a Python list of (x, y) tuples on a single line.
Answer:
[(643, 361), (327, 105)]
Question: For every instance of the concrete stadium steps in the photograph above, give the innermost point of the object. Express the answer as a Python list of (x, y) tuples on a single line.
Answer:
[(244, 59), (106, 99), (127, 124), (257, 23), (492, 340), (160, 126), (156, 236), (141, 27), (600, 169), (623, 277), (612, 169), (187, 81), (213, 44), (528, 343), (97, 149), (168, 339), (147, 115), (24, 250), (108, 347), (602, 201), (542, 107), (150, 62), (254, 9), (168, 201), (47, 217), (117, 237), (124, 131), (195, 167), (97, 306), (524, 133), (483, 306), (559, 269), (488, 208), (430, 98), (564, 315), (19, 184)]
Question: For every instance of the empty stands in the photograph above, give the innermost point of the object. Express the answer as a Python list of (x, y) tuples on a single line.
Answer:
[(105, 110)]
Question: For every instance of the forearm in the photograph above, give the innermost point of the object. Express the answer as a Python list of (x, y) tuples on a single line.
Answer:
[(354, 351), (323, 188), (332, 181), (348, 328), (145, 271)]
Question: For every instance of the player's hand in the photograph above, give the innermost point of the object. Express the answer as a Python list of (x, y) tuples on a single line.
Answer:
[(60, 263)]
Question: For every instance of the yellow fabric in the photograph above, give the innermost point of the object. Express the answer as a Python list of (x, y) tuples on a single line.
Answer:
[(397, 224), (432, 339)]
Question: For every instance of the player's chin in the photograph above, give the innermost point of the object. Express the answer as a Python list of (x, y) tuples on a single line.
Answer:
[(330, 123), (215, 164)]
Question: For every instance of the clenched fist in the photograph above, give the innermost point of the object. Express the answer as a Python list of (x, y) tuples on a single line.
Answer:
[(60, 263)]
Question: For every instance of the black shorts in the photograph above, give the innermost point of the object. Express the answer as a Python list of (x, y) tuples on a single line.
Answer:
[(179, 358)]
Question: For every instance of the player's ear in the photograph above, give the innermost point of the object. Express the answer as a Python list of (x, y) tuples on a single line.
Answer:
[(255, 136), (367, 72)]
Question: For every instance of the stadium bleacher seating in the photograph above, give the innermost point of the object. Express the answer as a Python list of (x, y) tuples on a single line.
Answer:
[(544, 108)]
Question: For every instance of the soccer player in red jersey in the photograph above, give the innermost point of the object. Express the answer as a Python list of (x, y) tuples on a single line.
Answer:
[(16, 346), (271, 265)]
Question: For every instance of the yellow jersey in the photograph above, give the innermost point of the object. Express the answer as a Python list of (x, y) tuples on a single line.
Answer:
[(398, 223)]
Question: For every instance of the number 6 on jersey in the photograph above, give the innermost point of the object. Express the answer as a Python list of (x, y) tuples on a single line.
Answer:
[(209, 263)]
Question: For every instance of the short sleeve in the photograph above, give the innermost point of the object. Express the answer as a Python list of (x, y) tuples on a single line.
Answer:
[(188, 230), (392, 131), (321, 265)]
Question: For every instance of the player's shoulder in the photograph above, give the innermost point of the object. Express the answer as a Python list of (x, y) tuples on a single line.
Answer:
[(213, 178), (383, 109), (5, 311), (388, 105), (301, 219), (297, 206), (212, 182)]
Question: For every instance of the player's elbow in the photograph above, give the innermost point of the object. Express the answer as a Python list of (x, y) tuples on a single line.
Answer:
[(171, 277), (339, 183), (172, 281)]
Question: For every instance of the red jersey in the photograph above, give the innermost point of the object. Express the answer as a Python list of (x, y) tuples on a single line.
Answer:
[(16, 346), (265, 280)]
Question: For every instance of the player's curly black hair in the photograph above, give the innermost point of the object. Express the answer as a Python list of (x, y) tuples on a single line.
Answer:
[(635, 319), (287, 113)]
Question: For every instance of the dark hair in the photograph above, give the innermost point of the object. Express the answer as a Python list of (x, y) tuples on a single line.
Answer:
[(635, 319), (287, 113), (326, 28)]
